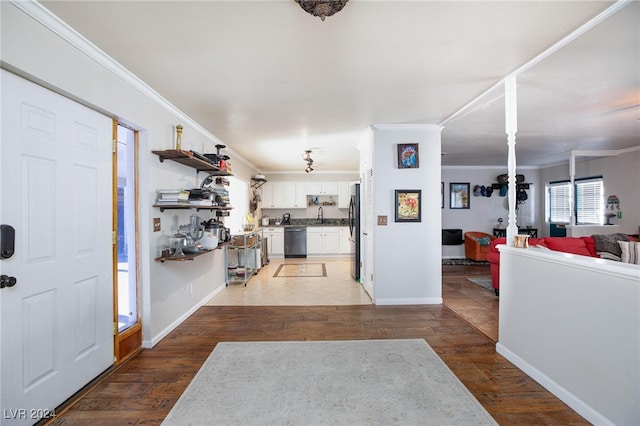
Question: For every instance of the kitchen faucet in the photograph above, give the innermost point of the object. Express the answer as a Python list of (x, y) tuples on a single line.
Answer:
[(320, 217)]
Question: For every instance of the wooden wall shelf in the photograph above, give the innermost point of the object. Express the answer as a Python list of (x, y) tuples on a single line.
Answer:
[(189, 159), (163, 259), (162, 207)]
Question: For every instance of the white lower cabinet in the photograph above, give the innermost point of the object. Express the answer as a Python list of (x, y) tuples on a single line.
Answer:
[(345, 241), (275, 241), (323, 240)]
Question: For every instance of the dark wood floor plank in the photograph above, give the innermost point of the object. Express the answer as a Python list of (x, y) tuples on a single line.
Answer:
[(144, 389)]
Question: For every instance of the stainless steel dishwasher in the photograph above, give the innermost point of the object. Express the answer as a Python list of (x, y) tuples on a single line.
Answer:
[(295, 241)]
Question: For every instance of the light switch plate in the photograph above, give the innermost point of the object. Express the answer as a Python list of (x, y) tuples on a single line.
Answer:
[(156, 224), (382, 220)]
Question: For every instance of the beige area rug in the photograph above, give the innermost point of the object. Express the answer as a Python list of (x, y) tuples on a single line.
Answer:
[(365, 382), (303, 270)]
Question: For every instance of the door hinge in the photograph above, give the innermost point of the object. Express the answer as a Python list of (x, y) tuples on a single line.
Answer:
[(114, 238), (115, 328), (114, 145)]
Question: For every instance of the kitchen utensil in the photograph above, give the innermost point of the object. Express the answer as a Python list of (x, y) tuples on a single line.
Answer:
[(190, 245), (176, 244), (214, 227), (209, 241), (196, 230), (225, 235)]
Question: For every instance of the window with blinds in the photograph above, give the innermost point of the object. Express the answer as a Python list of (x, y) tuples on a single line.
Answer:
[(559, 202), (589, 201)]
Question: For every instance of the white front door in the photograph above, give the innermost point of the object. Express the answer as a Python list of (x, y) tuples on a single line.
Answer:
[(57, 320)]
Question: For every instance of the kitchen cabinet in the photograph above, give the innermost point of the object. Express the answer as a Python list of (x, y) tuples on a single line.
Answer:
[(345, 241), (243, 257), (322, 188), (344, 194), (284, 195), (267, 196), (274, 195), (295, 195), (275, 240), (323, 240)]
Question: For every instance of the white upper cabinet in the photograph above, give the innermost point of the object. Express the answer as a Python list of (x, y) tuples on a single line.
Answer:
[(268, 201), (284, 195), (274, 195), (297, 195), (322, 188), (344, 195)]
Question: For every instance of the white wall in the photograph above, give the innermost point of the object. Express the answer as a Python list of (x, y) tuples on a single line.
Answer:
[(45, 57), (621, 175), (407, 256), (483, 214), (572, 323)]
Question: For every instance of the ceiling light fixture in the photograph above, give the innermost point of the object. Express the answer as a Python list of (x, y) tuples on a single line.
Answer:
[(322, 8), (306, 156)]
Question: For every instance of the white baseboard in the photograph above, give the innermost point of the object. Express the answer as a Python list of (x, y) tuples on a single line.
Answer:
[(409, 301), (157, 338), (563, 394)]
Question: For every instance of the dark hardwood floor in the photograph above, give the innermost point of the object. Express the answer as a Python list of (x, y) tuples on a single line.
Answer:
[(144, 389)]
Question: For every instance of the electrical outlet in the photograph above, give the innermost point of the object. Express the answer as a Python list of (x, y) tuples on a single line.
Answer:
[(190, 289), (156, 224), (382, 220)]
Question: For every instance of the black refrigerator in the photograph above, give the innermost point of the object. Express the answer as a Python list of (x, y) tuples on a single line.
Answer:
[(354, 230)]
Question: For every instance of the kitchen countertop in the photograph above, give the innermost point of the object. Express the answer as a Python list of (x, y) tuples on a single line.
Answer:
[(312, 222)]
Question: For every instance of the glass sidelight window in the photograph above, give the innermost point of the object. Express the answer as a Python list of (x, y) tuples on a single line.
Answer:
[(127, 297)]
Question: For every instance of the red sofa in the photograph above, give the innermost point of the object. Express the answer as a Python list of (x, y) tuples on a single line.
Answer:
[(584, 246)]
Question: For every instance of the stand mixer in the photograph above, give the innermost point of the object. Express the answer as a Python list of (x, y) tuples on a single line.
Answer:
[(193, 231)]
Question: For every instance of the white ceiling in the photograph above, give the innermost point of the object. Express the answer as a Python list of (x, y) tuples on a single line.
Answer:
[(270, 81)]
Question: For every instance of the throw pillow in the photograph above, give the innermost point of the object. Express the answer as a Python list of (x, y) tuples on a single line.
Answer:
[(484, 241), (609, 256), (630, 252), (591, 245), (568, 245)]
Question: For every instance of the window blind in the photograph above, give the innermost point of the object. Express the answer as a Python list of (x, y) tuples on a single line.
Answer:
[(589, 202), (559, 202)]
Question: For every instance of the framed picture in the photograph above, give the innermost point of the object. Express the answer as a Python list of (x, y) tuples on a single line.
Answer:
[(408, 205), (459, 195), (408, 156)]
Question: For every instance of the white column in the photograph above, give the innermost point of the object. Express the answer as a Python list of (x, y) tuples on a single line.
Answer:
[(511, 124)]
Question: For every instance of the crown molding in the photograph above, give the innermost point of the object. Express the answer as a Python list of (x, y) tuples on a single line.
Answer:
[(46, 18), (405, 126)]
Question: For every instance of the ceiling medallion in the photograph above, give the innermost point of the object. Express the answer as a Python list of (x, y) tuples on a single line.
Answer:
[(322, 8)]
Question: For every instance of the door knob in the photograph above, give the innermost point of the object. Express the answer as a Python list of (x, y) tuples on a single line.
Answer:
[(7, 281)]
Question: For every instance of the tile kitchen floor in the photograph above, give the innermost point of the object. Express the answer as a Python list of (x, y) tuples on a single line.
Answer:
[(337, 288)]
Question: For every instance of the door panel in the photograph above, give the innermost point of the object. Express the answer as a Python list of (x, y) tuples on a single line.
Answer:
[(38, 342), (57, 321)]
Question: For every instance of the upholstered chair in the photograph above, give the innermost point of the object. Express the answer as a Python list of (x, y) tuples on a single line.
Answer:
[(476, 245)]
